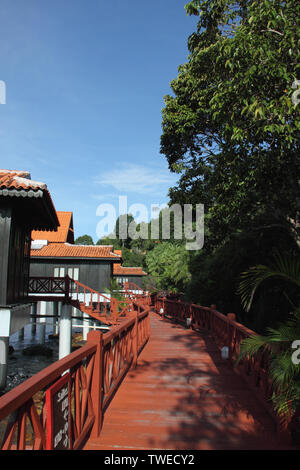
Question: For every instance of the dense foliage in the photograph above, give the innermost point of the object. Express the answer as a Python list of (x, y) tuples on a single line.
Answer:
[(231, 129), (284, 367), (168, 263)]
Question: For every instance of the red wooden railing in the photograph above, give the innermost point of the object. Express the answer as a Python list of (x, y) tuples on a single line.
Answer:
[(88, 300), (99, 306), (133, 291), (96, 371), (226, 332)]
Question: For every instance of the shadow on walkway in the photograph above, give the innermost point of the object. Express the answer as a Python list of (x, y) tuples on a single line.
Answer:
[(183, 395)]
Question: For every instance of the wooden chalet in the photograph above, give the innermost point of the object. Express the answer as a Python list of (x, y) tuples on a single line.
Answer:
[(124, 274), (25, 205), (56, 255), (64, 233)]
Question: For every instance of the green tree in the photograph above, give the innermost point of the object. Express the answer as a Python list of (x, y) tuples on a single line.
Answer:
[(122, 229), (132, 257), (231, 129), (84, 240), (168, 265), (216, 276), (115, 242), (120, 237)]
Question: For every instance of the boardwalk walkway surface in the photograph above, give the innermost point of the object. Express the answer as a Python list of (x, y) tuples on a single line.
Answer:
[(182, 395)]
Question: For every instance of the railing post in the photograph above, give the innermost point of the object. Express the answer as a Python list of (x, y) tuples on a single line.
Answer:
[(135, 341), (148, 325), (97, 381), (67, 288), (231, 317), (189, 320), (179, 311), (211, 318), (113, 308), (164, 307)]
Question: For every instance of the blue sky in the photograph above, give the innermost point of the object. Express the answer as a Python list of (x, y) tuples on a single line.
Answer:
[(85, 81)]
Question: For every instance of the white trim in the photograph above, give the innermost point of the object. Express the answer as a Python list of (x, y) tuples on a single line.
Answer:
[(14, 318)]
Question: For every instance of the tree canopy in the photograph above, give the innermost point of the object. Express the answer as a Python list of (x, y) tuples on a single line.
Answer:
[(231, 129), (84, 240), (168, 265)]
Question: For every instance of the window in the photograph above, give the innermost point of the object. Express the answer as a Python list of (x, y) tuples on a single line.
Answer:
[(73, 273), (122, 280), (59, 272)]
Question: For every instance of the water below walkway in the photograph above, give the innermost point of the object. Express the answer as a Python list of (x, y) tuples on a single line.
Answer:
[(20, 366)]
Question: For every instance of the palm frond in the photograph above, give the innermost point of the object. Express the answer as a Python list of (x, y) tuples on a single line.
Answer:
[(285, 374), (285, 401), (252, 345), (282, 369), (286, 268)]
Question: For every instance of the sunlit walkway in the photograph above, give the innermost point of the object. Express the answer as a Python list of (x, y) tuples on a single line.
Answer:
[(182, 395)]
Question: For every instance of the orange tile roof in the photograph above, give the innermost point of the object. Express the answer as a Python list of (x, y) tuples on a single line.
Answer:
[(11, 179), (66, 250), (119, 270), (19, 183), (61, 236), (127, 271)]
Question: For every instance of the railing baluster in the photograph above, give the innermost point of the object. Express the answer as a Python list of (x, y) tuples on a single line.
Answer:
[(96, 371)]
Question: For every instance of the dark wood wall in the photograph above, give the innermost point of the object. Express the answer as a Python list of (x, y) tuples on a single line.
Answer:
[(92, 273), (5, 225), (138, 280), (14, 256)]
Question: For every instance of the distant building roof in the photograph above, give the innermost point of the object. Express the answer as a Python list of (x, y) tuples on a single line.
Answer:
[(128, 271), (64, 233), (67, 250), (31, 197), (119, 270)]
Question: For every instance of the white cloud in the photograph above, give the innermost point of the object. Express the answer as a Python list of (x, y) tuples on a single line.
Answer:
[(137, 179)]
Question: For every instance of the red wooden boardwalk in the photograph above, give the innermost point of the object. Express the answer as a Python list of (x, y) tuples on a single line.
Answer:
[(182, 395)]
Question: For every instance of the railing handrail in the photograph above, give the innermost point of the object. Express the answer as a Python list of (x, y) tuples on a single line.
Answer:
[(99, 367), (213, 312), (68, 280), (93, 291), (128, 286), (18, 396), (70, 288), (226, 331)]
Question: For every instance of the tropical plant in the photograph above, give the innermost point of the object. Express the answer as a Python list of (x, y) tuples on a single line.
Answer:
[(278, 342), (285, 372), (116, 292), (286, 268), (168, 265)]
